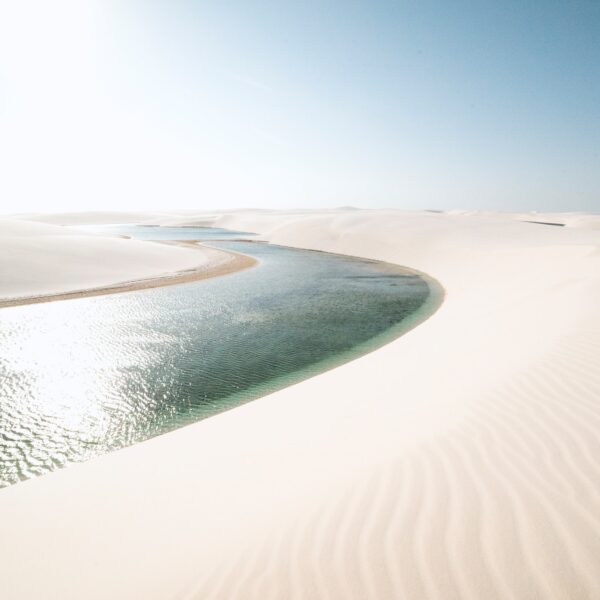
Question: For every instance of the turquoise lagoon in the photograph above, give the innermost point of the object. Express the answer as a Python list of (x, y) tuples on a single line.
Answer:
[(80, 378)]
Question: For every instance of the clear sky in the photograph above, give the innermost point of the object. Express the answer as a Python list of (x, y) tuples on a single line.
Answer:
[(188, 104)]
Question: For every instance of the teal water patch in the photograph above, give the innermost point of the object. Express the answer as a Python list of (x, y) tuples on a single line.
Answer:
[(82, 377), (152, 232)]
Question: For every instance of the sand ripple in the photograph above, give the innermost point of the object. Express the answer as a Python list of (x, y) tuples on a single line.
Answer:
[(505, 506)]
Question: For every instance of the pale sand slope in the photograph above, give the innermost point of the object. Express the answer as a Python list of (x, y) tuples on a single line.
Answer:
[(91, 218), (38, 260), (460, 461)]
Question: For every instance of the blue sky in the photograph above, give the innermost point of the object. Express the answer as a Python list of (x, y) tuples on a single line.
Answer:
[(106, 104)]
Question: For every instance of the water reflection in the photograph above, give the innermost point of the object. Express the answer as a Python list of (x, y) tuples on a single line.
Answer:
[(81, 377)]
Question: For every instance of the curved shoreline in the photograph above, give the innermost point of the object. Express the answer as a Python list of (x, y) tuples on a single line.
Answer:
[(295, 268), (237, 262)]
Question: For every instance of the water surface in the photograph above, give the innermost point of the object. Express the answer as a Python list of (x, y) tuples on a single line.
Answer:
[(82, 377), (151, 232)]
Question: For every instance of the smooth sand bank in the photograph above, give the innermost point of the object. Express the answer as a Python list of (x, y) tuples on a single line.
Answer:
[(461, 461), (42, 263), (220, 265)]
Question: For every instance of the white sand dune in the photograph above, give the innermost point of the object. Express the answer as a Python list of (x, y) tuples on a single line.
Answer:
[(461, 461), (91, 218), (37, 259)]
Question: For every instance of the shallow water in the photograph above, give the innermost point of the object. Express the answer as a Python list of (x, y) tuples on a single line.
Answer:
[(151, 232), (79, 378)]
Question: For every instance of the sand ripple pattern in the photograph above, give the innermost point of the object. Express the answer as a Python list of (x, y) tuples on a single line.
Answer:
[(505, 506)]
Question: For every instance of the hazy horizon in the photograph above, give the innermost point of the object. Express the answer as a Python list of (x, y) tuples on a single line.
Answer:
[(208, 210), (433, 105)]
